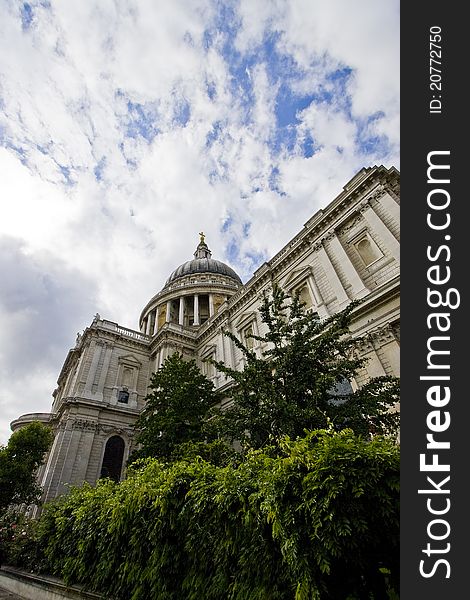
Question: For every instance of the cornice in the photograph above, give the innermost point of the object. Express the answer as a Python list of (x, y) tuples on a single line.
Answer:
[(81, 424), (70, 401), (378, 337), (168, 333), (104, 334), (381, 295), (318, 230)]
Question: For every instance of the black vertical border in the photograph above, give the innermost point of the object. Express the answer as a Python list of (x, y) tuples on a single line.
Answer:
[(421, 133)]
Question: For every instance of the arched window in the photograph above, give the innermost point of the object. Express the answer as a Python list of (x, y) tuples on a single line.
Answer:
[(113, 457)]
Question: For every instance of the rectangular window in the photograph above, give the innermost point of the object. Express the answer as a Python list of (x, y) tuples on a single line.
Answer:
[(123, 396)]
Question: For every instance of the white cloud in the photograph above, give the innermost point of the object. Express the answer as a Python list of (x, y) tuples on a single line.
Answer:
[(43, 303), (124, 131), (362, 35)]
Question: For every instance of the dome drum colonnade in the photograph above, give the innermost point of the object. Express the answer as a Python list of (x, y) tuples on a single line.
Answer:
[(192, 294)]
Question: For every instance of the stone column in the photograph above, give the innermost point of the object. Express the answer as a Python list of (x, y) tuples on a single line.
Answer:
[(104, 370), (333, 278), (96, 349), (78, 372), (181, 312), (320, 305), (54, 482), (168, 306), (374, 366), (157, 314), (147, 328), (386, 343), (196, 309), (384, 233), (391, 206), (231, 346), (51, 462), (211, 306), (82, 459), (358, 288), (222, 341)]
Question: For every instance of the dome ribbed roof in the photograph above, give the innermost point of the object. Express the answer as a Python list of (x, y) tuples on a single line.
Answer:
[(203, 263)]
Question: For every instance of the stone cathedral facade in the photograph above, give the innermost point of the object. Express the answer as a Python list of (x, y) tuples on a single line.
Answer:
[(347, 250)]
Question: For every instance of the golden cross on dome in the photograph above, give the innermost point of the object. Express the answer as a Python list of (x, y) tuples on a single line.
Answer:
[(202, 237)]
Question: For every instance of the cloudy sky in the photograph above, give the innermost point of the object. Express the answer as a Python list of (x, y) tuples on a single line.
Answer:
[(128, 126)]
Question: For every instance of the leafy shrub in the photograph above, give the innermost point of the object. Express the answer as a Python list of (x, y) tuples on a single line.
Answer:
[(320, 520)]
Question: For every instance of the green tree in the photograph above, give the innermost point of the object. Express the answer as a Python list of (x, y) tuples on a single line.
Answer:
[(292, 385), (175, 410), (19, 461)]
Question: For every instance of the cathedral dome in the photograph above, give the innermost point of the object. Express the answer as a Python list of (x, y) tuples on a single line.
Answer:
[(202, 263), (192, 294)]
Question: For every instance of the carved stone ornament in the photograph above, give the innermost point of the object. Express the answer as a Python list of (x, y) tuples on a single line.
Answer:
[(85, 425), (377, 194)]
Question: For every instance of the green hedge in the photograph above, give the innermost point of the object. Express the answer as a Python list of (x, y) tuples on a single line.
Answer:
[(320, 521)]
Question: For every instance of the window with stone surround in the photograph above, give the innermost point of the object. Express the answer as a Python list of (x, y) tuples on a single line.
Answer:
[(367, 249), (248, 336), (128, 372), (301, 283)]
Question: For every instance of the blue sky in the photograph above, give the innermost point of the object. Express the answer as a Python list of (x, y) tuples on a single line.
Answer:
[(126, 127)]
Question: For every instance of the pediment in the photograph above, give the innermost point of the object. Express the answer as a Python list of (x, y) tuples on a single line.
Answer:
[(131, 360), (208, 350), (244, 318), (297, 276)]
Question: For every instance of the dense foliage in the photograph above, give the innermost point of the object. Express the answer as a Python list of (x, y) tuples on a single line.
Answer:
[(309, 510), (175, 409), (18, 540), (19, 461), (317, 518), (292, 383)]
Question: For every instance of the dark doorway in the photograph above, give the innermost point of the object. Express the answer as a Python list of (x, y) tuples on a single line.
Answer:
[(113, 457)]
